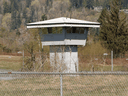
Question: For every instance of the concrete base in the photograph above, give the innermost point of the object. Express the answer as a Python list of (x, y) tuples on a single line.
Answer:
[(64, 58)]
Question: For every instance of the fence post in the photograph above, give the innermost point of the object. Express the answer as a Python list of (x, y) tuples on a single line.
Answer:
[(23, 59), (112, 60), (61, 87)]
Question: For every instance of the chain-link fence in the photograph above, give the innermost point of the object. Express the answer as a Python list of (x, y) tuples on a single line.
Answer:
[(64, 84), (91, 62), (103, 62)]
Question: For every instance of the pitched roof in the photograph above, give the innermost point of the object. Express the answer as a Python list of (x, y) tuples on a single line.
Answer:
[(63, 22)]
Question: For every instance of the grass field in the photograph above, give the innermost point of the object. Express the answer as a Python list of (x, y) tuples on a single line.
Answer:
[(10, 62), (96, 85), (14, 63)]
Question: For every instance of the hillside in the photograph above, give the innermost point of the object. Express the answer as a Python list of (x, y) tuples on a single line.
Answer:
[(15, 14)]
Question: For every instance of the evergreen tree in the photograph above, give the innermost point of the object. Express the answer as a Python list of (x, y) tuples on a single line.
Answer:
[(106, 4), (44, 17), (18, 20), (0, 10), (90, 4), (13, 16), (15, 5), (7, 8), (125, 3), (18, 33), (80, 3), (32, 14), (28, 3), (113, 32), (97, 3), (49, 2), (76, 3), (25, 15)]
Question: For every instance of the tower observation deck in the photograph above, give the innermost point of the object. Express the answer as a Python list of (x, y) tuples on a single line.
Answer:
[(63, 45)]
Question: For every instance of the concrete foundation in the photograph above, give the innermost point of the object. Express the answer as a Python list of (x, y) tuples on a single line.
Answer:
[(64, 58)]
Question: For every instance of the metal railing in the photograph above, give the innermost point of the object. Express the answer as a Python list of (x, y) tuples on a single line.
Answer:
[(63, 84)]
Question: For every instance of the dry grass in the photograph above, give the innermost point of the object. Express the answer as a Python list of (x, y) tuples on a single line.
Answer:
[(72, 86), (87, 60), (85, 64), (92, 55), (10, 62)]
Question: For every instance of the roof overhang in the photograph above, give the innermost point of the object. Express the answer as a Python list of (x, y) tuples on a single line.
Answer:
[(63, 22)]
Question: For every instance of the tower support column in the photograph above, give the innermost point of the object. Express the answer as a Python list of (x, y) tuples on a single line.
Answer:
[(64, 58)]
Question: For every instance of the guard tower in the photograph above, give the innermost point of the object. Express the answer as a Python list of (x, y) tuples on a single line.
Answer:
[(63, 45)]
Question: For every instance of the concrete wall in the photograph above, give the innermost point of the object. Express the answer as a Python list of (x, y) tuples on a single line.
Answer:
[(65, 42), (64, 58)]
